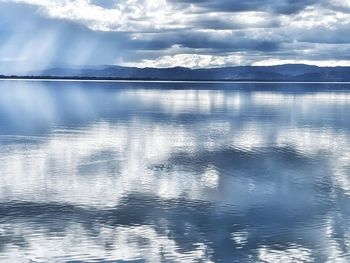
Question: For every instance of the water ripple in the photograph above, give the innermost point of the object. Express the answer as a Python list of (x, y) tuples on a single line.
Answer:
[(123, 173)]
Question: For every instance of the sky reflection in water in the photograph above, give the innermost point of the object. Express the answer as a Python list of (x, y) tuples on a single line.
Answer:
[(174, 172)]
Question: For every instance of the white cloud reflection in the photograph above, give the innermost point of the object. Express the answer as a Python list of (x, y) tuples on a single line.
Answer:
[(124, 157), (294, 254), (126, 243), (241, 151)]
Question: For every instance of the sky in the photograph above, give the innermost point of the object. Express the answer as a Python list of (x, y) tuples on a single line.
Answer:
[(39, 34)]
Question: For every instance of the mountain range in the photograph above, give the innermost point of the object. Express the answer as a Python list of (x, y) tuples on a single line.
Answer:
[(287, 72)]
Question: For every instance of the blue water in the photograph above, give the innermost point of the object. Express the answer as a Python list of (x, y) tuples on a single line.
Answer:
[(174, 172)]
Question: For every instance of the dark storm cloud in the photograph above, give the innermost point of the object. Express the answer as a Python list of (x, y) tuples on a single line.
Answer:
[(224, 24), (273, 6), (339, 35), (203, 40)]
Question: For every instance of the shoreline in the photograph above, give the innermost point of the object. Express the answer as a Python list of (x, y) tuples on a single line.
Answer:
[(107, 80)]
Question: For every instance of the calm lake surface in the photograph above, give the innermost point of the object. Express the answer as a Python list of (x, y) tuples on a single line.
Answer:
[(174, 172)]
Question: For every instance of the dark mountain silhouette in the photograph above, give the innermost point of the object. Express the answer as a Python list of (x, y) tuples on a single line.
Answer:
[(288, 72)]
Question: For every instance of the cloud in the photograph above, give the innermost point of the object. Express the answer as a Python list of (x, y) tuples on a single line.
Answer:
[(191, 60), (324, 63), (186, 32), (125, 15), (271, 6)]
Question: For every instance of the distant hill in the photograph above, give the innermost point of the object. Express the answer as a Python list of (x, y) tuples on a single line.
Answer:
[(288, 72)]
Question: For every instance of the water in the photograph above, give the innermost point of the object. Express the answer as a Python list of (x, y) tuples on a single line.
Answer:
[(166, 172)]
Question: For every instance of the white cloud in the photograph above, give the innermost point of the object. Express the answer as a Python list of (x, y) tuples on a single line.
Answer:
[(95, 17), (321, 63), (205, 61), (191, 61), (127, 15)]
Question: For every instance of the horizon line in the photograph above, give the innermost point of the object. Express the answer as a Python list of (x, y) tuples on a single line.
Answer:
[(169, 81)]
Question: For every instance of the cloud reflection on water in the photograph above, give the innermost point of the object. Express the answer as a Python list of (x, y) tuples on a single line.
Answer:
[(203, 165)]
